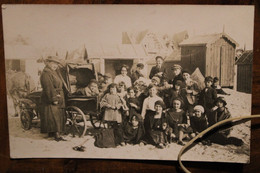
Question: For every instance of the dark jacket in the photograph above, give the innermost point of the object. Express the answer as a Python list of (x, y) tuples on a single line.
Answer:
[(52, 115), (208, 97), (135, 76), (156, 70)]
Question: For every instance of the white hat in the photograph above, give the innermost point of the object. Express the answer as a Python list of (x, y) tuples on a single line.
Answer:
[(199, 108)]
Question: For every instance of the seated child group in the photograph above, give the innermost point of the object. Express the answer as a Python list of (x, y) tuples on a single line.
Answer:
[(160, 111)]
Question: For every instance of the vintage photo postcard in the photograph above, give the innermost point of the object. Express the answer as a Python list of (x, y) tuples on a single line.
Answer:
[(128, 81)]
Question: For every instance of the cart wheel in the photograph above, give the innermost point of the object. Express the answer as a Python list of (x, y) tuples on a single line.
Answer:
[(76, 121), (26, 120), (96, 120)]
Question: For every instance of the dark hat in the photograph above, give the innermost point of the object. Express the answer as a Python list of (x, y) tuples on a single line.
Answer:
[(175, 66), (215, 79), (157, 57), (186, 71), (108, 75), (208, 78), (178, 82), (161, 103), (221, 99), (141, 65), (53, 59)]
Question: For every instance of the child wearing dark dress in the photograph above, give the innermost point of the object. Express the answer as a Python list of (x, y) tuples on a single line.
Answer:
[(132, 103), (134, 130), (177, 120), (199, 123), (208, 96)]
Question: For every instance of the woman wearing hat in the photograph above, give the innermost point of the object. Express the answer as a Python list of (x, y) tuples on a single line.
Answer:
[(155, 124), (222, 136), (52, 99), (158, 70)]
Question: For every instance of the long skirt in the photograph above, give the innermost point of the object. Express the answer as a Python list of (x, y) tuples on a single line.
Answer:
[(52, 119)]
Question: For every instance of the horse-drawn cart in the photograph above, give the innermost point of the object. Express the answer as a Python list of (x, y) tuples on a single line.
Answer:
[(79, 108)]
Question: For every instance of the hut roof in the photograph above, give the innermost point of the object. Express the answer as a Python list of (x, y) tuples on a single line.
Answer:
[(20, 52), (246, 58), (108, 51), (207, 39), (133, 37)]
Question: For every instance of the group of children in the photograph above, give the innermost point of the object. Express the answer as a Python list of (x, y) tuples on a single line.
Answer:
[(162, 112)]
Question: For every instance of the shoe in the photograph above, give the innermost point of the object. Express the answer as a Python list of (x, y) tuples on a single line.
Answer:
[(180, 143), (122, 143), (58, 139), (79, 148), (161, 146)]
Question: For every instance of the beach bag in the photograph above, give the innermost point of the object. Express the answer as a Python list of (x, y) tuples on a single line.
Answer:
[(105, 139)]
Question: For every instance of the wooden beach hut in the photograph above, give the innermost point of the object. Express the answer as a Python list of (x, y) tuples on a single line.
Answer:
[(213, 54), (244, 72)]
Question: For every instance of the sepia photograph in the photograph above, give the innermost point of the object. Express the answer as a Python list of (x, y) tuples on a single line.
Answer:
[(128, 81)]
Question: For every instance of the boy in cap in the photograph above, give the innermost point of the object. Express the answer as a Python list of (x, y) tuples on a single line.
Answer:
[(137, 73), (159, 69), (208, 95), (177, 71)]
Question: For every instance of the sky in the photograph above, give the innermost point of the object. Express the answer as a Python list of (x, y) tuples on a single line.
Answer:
[(67, 27)]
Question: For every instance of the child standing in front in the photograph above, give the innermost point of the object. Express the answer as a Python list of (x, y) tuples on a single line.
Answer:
[(111, 103)]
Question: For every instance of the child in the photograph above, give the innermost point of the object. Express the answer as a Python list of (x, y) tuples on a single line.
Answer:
[(90, 90), (156, 81), (111, 103), (164, 91), (153, 124), (217, 87), (122, 89), (148, 104), (189, 92), (104, 84), (175, 117), (134, 130), (220, 114), (132, 102), (199, 122), (208, 95), (175, 92)]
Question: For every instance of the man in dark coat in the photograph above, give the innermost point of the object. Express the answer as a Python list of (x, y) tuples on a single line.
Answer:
[(158, 70), (52, 98)]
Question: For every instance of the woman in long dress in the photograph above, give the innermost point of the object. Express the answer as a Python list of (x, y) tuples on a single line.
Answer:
[(52, 99)]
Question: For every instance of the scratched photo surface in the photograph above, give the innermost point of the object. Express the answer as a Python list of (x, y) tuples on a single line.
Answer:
[(128, 81)]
